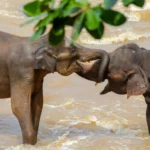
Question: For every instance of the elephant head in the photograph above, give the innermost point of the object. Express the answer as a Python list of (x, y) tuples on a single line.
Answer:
[(66, 59), (125, 73)]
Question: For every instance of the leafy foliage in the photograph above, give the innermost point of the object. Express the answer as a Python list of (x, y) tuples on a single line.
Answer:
[(139, 3), (76, 13), (109, 3)]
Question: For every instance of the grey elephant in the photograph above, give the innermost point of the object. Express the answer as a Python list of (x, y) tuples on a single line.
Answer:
[(128, 73), (23, 65)]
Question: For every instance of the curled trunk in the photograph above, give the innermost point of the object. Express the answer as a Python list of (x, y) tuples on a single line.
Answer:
[(95, 71)]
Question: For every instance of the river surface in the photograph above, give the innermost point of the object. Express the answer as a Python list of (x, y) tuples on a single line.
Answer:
[(75, 116)]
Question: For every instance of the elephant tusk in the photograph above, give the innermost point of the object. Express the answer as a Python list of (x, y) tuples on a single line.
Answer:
[(96, 83), (128, 96)]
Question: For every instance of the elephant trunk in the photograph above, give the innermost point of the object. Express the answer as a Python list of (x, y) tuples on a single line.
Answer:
[(103, 66), (96, 55)]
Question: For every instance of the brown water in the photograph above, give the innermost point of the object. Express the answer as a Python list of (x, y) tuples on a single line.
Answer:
[(75, 116)]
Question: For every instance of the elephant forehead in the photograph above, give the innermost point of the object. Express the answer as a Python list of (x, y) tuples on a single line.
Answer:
[(120, 67), (114, 68)]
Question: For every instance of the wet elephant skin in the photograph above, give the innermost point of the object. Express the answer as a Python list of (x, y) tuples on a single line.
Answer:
[(128, 73), (23, 65)]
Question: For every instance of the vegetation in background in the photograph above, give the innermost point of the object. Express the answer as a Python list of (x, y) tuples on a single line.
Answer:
[(78, 14)]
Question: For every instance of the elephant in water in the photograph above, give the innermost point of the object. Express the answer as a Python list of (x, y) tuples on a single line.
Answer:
[(128, 73), (23, 65)]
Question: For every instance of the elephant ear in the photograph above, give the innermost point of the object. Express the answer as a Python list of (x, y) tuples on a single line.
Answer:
[(137, 84), (106, 89), (44, 59)]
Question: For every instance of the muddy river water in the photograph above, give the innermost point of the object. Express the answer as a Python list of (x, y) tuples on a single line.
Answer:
[(75, 116)]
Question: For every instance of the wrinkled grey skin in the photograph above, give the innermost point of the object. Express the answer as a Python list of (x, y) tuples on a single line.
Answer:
[(128, 73), (23, 65)]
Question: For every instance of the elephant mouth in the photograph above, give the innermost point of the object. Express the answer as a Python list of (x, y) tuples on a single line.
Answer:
[(86, 66), (74, 66)]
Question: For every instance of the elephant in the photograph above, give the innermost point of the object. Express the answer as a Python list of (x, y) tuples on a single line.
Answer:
[(128, 73), (23, 66)]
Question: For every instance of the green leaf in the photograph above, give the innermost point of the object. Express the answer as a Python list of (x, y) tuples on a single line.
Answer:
[(69, 10), (92, 20), (48, 2), (63, 3), (113, 17), (139, 3), (56, 35), (82, 2), (38, 33), (74, 6), (78, 25), (47, 20), (70, 20), (97, 10), (97, 33), (52, 3), (109, 3), (33, 19), (32, 8)]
